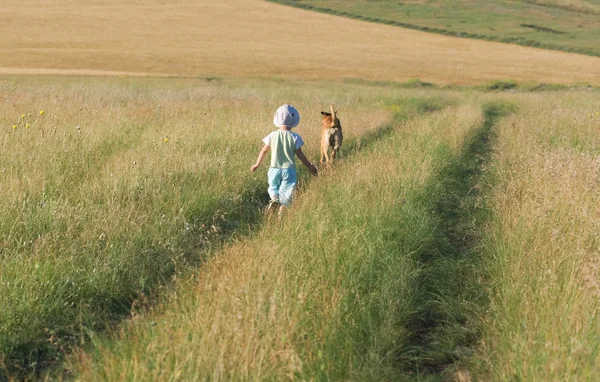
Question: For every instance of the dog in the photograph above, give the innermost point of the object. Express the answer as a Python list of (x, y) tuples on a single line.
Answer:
[(331, 136)]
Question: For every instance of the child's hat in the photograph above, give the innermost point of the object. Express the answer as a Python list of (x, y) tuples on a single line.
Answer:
[(286, 116)]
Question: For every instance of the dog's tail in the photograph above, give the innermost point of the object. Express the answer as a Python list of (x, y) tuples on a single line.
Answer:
[(333, 117)]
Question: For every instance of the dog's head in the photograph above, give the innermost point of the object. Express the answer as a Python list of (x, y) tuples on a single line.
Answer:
[(330, 119)]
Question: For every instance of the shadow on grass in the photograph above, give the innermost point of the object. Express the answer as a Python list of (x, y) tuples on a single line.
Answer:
[(449, 289), (206, 230)]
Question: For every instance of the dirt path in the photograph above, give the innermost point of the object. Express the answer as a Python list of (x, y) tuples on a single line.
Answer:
[(450, 286)]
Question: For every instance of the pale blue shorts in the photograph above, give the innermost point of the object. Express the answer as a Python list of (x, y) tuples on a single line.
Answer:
[(282, 183)]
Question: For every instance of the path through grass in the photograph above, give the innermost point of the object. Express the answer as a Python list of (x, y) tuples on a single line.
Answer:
[(449, 290), (325, 293), (120, 186)]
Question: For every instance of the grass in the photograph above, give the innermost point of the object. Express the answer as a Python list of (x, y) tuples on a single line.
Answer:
[(553, 25), (235, 38), (123, 185), (322, 294), (456, 239), (132, 243), (450, 287), (541, 248)]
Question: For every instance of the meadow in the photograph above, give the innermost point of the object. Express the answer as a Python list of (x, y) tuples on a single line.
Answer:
[(570, 26), (541, 248), (456, 239), (121, 185), (134, 246)]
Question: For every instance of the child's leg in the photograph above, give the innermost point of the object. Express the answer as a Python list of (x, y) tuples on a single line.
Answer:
[(275, 178), (287, 187)]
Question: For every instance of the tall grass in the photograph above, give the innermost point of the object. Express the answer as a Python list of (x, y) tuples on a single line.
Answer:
[(450, 287), (323, 293), (541, 249), (133, 200), (121, 185)]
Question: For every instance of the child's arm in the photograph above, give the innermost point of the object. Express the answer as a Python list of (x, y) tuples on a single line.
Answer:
[(261, 157), (310, 166)]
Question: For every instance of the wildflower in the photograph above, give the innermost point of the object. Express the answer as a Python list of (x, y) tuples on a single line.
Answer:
[(42, 112), (27, 126), (14, 127), (166, 140), (22, 116)]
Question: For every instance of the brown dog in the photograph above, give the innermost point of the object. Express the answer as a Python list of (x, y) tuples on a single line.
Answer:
[(331, 136)]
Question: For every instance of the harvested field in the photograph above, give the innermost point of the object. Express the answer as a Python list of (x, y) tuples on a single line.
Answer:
[(256, 38)]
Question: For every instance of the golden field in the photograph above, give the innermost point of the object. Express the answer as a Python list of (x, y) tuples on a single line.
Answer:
[(256, 38)]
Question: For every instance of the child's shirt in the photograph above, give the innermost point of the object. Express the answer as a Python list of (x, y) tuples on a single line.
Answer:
[(283, 145)]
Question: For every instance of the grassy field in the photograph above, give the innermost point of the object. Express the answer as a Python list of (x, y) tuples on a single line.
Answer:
[(571, 26), (257, 38), (455, 240), (324, 294), (121, 185), (127, 201), (541, 249), (469, 252)]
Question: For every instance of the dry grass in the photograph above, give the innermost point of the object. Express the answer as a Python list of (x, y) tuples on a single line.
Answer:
[(319, 295), (542, 248), (118, 185), (255, 38)]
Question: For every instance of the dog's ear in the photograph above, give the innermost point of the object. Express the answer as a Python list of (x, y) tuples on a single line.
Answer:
[(325, 114)]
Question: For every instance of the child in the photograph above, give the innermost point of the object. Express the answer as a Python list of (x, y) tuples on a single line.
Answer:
[(284, 146)]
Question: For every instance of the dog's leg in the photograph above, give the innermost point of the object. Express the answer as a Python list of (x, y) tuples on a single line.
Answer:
[(336, 145), (324, 152), (324, 146)]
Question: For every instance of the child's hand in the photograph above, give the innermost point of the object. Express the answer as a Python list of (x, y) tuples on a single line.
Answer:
[(254, 167), (313, 170)]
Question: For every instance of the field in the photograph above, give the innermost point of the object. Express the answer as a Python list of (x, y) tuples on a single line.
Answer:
[(248, 38), (456, 239), (571, 26)]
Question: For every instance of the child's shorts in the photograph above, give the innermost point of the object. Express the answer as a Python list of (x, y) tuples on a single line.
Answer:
[(282, 182)]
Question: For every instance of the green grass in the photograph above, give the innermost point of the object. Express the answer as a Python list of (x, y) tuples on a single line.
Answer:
[(324, 294), (450, 291), (540, 249), (134, 183), (456, 237), (539, 24)]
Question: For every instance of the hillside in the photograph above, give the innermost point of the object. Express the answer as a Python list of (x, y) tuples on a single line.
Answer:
[(256, 38), (571, 26)]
